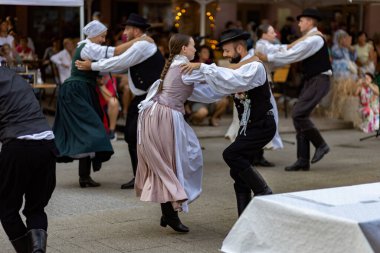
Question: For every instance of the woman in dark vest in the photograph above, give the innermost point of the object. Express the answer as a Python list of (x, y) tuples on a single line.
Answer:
[(78, 126)]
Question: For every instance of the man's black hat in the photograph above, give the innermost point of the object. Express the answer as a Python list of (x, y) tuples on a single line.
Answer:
[(233, 35), (310, 13), (137, 21)]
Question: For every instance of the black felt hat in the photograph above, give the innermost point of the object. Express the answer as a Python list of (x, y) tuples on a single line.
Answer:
[(137, 21), (233, 35), (310, 13)]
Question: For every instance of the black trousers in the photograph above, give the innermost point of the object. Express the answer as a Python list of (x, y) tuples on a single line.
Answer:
[(238, 155), (27, 169), (313, 91), (130, 131)]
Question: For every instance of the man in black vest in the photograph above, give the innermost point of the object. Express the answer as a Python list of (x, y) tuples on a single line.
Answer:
[(313, 52), (252, 97), (27, 164), (145, 64)]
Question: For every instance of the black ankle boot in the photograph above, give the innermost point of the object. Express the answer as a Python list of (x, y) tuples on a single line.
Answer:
[(87, 182), (21, 244), (300, 164), (255, 181), (37, 241), (170, 217)]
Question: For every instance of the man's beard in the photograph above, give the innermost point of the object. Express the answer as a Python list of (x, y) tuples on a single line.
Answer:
[(236, 58)]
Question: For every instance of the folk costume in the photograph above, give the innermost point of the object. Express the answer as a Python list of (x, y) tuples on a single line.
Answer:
[(144, 63), (78, 125), (27, 164), (313, 52)]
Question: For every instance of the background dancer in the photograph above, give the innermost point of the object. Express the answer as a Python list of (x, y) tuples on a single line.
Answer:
[(78, 126), (144, 63), (313, 53)]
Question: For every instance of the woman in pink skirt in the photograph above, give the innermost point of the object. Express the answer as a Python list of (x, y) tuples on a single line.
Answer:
[(170, 163), (169, 170)]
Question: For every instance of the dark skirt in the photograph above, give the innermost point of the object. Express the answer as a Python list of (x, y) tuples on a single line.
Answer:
[(78, 126)]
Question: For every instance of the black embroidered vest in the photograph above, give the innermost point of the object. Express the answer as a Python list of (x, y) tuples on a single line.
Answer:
[(147, 72)]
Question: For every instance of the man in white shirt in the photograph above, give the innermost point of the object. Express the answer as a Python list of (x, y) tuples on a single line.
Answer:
[(313, 53), (63, 59), (254, 103), (144, 63)]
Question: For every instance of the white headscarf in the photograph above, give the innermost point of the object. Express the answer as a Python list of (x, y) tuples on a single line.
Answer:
[(93, 29)]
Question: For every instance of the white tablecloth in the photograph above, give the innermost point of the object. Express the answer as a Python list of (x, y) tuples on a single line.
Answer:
[(343, 219)]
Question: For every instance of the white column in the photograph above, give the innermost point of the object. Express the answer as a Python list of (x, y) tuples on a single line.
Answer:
[(202, 13), (81, 22)]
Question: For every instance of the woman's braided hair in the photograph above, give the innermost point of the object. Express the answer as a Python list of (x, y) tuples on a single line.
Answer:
[(176, 42)]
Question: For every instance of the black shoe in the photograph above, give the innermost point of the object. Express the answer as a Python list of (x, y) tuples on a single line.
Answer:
[(300, 164), (129, 185), (263, 162), (170, 217), (87, 182), (320, 152), (37, 241), (21, 244), (175, 223)]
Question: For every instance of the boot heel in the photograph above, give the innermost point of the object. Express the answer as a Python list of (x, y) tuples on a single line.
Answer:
[(82, 185), (163, 222)]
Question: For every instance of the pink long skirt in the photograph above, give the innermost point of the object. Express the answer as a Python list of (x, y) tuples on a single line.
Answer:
[(156, 178)]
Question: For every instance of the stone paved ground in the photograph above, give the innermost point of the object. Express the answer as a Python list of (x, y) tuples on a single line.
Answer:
[(110, 220)]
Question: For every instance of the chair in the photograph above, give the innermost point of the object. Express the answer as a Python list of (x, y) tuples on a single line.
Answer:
[(280, 77), (56, 79)]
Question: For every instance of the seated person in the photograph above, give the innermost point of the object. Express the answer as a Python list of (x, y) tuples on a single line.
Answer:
[(368, 93), (25, 52), (110, 104), (9, 55), (200, 111)]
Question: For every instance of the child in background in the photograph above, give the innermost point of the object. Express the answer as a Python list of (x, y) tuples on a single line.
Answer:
[(368, 93)]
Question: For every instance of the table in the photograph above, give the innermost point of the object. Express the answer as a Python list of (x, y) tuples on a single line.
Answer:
[(44, 86), (342, 219)]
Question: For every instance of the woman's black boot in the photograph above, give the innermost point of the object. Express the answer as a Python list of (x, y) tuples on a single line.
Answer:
[(170, 217), (84, 173)]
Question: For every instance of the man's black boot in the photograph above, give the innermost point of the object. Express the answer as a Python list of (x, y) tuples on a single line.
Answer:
[(242, 199), (303, 154), (21, 244), (255, 181), (37, 241)]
